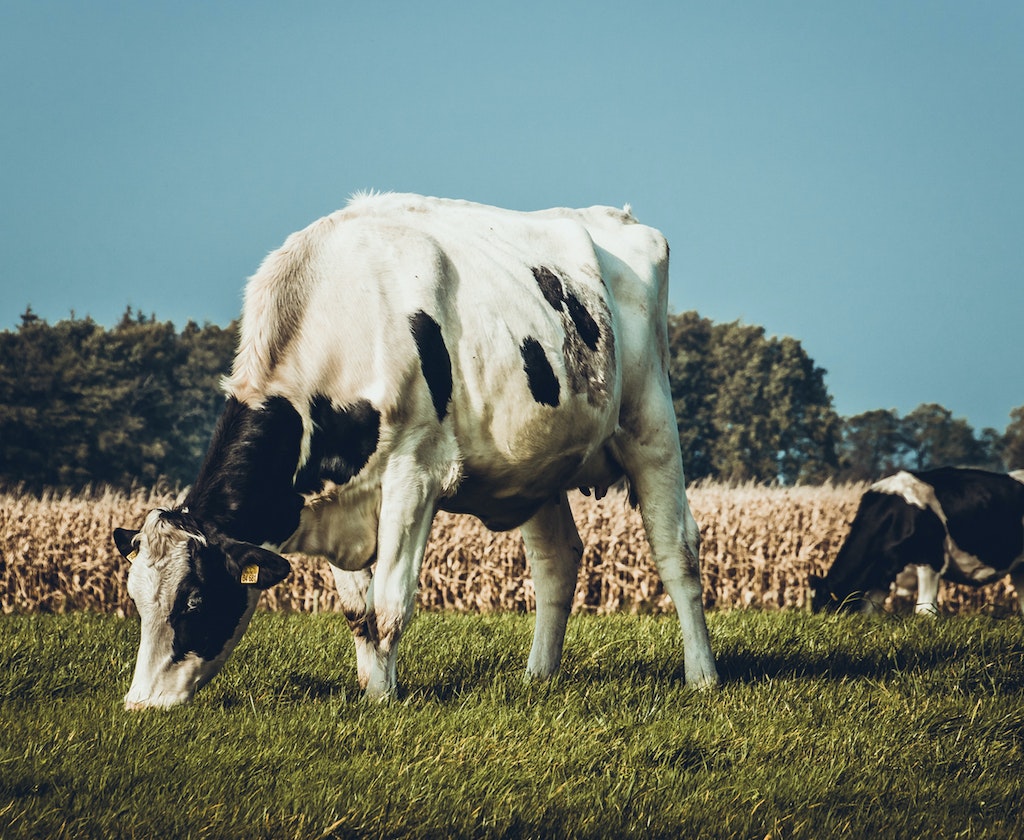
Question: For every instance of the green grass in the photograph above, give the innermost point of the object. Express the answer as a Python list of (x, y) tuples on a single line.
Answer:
[(824, 727)]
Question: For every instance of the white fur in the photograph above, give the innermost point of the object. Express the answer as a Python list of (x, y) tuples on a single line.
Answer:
[(913, 491)]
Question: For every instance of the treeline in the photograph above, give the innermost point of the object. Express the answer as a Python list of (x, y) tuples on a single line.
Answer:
[(81, 404), (754, 407), (136, 404)]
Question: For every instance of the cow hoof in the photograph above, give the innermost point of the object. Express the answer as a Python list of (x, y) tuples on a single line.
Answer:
[(379, 695), (703, 682), (538, 676)]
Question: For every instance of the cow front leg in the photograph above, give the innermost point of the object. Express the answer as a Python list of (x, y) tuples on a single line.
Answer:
[(872, 601), (353, 590), (927, 591), (407, 510), (554, 549)]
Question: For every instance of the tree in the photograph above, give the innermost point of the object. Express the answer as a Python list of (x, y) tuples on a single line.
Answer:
[(1012, 442), (873, 445), (80, 404), (879, 442), (692, 383), (937, 439), (207, 354), (749, 406)]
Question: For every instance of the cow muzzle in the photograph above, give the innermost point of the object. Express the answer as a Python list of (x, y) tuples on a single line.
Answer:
[(166, 685)]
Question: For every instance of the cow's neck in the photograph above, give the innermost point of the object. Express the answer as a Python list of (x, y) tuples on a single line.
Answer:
[(244, 487)]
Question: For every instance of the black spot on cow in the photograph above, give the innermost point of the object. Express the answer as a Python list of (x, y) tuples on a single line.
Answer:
[(244, 487), (541, 378), (435, 362), (587, 365), (550, 287), (587, 328), (342, 443), (207, 607), (983, 512), (886, 535)]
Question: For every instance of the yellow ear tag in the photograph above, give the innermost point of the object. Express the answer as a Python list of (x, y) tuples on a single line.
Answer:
[(132, 555), (250, 574)]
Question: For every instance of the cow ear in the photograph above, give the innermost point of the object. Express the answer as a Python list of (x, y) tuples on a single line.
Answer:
[(254, 566), (125, 542)]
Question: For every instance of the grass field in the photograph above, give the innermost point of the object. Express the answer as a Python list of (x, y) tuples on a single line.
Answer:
[(824, 727)]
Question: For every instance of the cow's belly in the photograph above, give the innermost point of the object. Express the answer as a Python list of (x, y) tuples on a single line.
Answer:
[(497, 513), (504, 495), (963, 567)]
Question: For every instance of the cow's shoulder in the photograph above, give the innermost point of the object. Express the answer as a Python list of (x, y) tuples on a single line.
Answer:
[(907, 486), (961, 489)]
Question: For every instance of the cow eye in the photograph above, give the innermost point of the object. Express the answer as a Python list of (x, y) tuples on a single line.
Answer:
[(194, 602)]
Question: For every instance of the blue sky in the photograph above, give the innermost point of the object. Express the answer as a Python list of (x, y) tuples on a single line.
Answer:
[(851, 174)]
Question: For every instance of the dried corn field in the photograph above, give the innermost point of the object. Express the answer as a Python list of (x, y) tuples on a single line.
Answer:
[(758, 545)]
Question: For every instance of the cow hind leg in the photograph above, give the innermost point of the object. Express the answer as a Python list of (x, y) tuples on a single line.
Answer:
[(554, 549), (652, 462), (353, 589)]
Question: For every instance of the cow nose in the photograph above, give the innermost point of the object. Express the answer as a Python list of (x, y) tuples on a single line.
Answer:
[(134, 706)]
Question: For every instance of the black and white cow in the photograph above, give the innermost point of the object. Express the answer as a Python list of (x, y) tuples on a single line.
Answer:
[(409, 354), (964, 525)]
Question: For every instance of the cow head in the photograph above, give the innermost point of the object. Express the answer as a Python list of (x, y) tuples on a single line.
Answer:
[(195, 590), (820, 597)]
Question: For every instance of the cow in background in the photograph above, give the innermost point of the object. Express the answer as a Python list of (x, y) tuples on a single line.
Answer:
[(963, 525), (410, 354)]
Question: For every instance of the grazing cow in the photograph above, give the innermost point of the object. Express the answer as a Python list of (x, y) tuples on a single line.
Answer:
[(409, 354), (964, 525)]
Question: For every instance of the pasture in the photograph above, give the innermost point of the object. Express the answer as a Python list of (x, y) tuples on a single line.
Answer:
[(824, 727)]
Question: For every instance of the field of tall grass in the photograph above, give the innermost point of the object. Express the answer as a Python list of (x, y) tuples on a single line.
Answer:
[(758, 545)]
